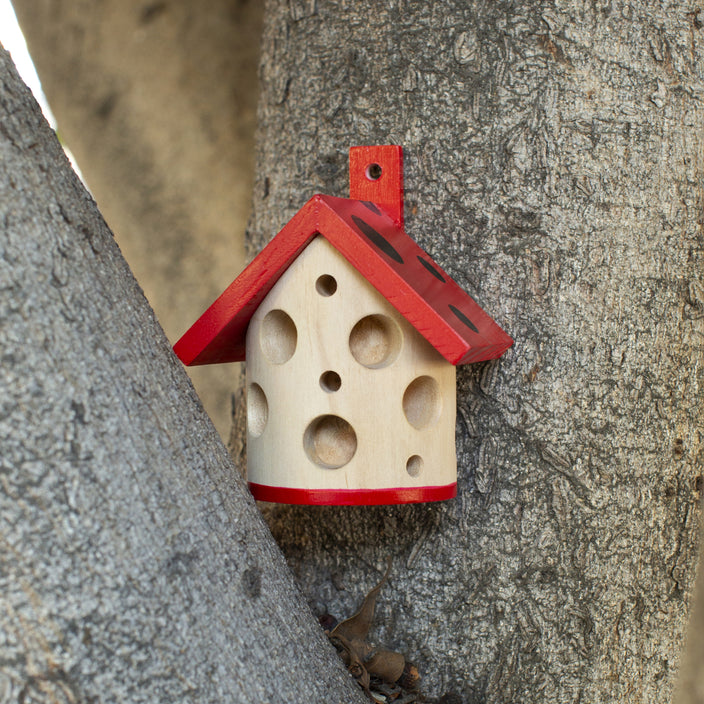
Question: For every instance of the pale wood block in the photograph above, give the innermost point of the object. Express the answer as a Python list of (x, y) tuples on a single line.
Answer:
[(343, 393)]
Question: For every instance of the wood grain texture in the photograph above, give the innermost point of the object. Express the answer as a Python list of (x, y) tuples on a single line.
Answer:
[(392, 397), (553, 167), (134, 566)]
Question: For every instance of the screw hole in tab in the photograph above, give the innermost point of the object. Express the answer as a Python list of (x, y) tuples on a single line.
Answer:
[(373, 172)]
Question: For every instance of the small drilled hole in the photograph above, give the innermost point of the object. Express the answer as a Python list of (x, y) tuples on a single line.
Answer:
[(326, 285), (373, 172), (414, 466), (330, 382)]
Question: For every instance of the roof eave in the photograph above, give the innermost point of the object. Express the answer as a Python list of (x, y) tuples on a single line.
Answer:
[(218, 336)]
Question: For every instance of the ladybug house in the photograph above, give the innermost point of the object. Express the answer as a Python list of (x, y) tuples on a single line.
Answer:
[(351, 334)]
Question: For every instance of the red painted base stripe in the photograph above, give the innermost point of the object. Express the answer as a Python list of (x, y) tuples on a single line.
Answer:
[(352, 497)]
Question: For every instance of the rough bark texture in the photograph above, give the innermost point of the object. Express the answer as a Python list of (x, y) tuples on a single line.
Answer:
[(690, 688), (157, 100), (554, 168), (134, 566)]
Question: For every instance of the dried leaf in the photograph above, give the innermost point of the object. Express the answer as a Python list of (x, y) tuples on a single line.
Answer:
[(357, 626), (352, 659), (383, 674), (387, 665)]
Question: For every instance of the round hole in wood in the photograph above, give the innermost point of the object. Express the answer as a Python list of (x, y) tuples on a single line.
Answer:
[(278, 336), (257, 410), (373, 172), (330, 381), (375, 341), (422, 402), (414, 466), (330, 441), (326, 285)]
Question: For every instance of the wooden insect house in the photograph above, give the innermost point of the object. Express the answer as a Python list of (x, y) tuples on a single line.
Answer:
[(351, 334)]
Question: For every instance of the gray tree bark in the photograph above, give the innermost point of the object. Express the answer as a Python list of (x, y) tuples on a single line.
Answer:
[(134, 566), (157, 102), (554, 169), (690, 687)]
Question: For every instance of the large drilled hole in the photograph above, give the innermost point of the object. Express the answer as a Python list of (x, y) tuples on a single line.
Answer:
[(278, 336), (422, 402), (414, 466), (375, 341), (326, 285), (330, 381), (257, 410), (330, 441)]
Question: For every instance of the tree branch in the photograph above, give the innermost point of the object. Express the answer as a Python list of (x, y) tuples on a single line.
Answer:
[(134, 565)]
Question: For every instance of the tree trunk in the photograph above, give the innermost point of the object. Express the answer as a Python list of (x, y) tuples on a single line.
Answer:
[(690, 688), (134, 566), (157, 102), (554, 169)]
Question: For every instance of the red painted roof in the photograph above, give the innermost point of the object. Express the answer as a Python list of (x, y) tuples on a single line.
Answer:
[(383, 253)]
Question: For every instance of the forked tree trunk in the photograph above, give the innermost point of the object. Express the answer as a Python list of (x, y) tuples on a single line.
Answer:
[(134, 566), (554, 168), (157, 101)]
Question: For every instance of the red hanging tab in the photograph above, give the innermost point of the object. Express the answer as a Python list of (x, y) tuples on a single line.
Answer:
[(376, 175)]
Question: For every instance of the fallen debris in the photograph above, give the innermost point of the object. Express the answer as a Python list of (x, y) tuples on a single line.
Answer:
[(385, 675)]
